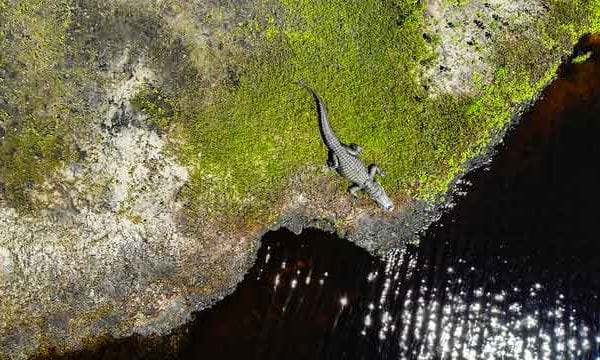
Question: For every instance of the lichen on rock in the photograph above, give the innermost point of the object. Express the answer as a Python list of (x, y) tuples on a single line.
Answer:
[(109, 233), (98, 242), (464, 34)]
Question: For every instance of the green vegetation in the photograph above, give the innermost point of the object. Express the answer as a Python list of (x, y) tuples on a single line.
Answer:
[(239, 122), (28, 154), (33, 96), (363, 57), (156, 106), (523, 67), (582, 58)]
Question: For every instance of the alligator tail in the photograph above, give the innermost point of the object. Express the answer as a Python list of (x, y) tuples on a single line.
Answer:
[(327, 133)]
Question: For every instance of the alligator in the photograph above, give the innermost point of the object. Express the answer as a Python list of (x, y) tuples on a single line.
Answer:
[(344, 159)]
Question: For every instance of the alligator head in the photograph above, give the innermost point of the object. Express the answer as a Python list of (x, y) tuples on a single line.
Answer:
[(380, 197)]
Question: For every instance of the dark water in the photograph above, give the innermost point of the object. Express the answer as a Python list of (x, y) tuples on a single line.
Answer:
[(511, 272)]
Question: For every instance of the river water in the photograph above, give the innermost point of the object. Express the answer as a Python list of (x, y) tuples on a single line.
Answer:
[(512, 271)]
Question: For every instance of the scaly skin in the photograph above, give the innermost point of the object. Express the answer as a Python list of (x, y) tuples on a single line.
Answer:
[(344, 159)]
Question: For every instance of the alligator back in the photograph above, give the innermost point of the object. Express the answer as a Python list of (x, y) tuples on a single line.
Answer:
[(352, 168)]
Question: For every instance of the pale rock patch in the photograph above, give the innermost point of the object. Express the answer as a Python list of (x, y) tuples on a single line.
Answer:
[(463, 36), (6, 265), (109, 238)]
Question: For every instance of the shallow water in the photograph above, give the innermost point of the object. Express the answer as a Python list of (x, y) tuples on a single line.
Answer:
[(511, 272)]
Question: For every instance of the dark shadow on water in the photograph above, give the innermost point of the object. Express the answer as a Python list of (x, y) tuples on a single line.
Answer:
[(512, 272), (299, 303)]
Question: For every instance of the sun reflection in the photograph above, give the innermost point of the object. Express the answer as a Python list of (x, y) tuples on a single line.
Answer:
[(468, 322)]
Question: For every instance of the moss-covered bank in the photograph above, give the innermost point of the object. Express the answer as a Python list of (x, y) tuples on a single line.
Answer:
[(365, 58), (242, 126)]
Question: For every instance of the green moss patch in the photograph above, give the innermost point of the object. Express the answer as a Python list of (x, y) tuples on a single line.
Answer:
[(29, 154), (363, 57), (156, 106), (34, 99)]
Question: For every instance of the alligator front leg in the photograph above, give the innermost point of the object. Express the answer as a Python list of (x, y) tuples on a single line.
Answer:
[(332, 160), (375, 170), (353, 149), (353, 190)]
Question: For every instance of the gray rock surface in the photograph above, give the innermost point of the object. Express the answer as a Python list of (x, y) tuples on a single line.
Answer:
[(465, 34)]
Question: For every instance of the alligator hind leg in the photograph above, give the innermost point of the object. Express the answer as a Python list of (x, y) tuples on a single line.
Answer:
[(353, 190), (332, 160), (375, 170), (353, 149)]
